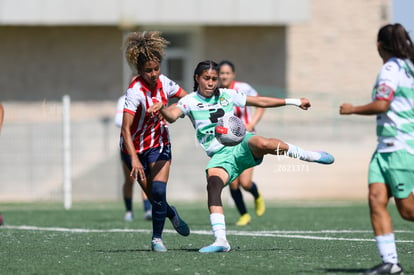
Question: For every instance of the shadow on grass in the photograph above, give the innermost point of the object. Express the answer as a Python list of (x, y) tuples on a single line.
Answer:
[(185, 249), (344, 270)]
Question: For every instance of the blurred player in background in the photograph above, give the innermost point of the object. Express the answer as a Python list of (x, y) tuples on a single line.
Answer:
[(145, 141), (1, 116), (204, 107), (391, 170), (227, 80), (1, 126), (127, 187)]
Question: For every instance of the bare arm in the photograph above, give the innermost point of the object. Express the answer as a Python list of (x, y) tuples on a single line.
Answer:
[(373, 108), (268, 102), (1, 116), (171, 113), (137, 170)]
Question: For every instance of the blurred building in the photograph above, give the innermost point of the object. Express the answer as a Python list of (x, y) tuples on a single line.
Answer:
[(53, 47)]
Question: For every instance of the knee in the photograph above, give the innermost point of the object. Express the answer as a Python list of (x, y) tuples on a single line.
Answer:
[(377, 201), (266, 144), (214, 186), (406, 210), (158, 190), (407, 215)]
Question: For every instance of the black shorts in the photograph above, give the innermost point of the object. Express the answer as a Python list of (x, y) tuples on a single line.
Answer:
[(149, 156)]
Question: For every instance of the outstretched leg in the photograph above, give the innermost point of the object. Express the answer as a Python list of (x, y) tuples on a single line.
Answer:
[(261, 146)]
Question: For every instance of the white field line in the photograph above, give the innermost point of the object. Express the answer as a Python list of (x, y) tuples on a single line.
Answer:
[(308, 234)]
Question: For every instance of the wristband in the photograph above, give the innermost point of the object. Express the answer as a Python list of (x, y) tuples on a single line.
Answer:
[(293, 101)]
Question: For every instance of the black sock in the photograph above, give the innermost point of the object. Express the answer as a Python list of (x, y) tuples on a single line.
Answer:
[(128, 204), (238, 200), (159, 207), (254, 191)]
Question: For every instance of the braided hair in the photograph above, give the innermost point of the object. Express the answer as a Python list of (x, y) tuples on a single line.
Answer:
[(141, 47), (394, 39)]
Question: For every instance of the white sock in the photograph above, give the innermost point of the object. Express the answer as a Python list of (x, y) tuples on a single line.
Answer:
[(297, 152), (218, 226), (387, 248)]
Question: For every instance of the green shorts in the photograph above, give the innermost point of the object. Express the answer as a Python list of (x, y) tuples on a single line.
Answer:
[(395, 169), (234, 159)]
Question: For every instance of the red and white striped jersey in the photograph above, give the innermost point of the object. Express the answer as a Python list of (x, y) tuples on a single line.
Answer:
[(244, 113), (148, 131)]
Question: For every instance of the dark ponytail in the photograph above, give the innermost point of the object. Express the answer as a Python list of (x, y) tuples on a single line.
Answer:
[(394, 39), (200, 68)]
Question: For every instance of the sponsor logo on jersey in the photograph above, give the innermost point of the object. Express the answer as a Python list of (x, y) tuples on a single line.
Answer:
[(223, 101)]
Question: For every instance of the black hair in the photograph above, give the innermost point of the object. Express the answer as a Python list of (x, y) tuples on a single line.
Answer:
[(228, 63), (204, 66), (394, 39)]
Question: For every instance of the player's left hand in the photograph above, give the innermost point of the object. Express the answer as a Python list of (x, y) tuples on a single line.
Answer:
[(249, 127), (346, 109), (153, 109), (305, 103)]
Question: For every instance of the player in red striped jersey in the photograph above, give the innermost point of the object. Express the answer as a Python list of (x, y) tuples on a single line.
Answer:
[(127, 187), (145, 142), (227, 76)]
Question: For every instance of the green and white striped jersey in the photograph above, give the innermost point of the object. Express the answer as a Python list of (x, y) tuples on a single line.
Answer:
[(205, 112), (395, 127)]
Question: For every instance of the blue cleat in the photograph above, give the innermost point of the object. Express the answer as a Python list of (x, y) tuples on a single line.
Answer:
[(217, 246), (129, 217), (179, 224), (385, 268), (325, 158), (157, 245)]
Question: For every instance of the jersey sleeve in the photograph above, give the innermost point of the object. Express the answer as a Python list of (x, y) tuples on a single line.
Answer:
[(387, 81), (132, 100), (183, 104), (171, 88), (238, 97), (119, 111), (247, 89)]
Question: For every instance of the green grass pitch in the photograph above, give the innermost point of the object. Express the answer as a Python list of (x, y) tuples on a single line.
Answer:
[(291, 238)]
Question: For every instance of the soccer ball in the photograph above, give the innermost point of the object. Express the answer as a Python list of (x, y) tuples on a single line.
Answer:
[(230, 130)]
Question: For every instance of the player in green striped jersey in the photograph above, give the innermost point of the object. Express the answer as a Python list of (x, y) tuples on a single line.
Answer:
[(391, 170), (204, 107)]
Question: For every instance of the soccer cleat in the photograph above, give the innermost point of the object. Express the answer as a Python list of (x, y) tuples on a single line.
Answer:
[(244, 219), (179, 224), (385, 268), (157, 245), (217, 246), (148, 215), (259, 205), (129, 217), (324, 157)]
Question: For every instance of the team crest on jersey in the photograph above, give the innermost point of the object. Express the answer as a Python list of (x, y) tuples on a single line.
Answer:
[(384, 92), (223, 101)]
